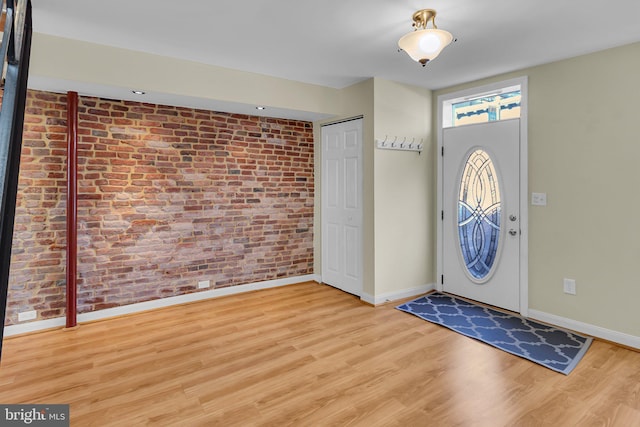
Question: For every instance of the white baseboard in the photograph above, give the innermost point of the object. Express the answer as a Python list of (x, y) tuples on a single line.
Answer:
[(393, 296), (38, 325), (586, 328), (150, 305)]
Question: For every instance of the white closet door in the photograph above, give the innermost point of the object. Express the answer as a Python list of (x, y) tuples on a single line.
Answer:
[(342, 206)]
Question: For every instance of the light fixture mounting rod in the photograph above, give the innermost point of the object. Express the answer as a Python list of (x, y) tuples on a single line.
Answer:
[(422, 17)]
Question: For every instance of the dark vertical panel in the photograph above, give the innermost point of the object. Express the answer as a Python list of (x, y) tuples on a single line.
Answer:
[(11, 123), (72, 207)]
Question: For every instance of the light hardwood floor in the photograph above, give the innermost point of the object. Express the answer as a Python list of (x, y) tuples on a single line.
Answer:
[(308, 355)]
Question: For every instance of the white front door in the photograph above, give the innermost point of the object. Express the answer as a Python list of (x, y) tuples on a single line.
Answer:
[(342, 206), (481, 218)]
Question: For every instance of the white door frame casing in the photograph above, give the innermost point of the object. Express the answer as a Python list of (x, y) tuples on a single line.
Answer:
[(524, 183)]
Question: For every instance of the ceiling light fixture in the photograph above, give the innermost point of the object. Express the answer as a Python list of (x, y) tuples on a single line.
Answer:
[(424, 44), (260, 107), (138, 92)]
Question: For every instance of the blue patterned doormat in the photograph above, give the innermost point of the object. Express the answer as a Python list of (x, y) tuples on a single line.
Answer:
[(548, 346)]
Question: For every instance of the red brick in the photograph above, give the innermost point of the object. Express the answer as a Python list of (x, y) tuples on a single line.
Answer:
[(167, 196)]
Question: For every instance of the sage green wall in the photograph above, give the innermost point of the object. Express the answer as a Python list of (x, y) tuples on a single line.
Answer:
[(62, 59), (404, 198), (583, 152)]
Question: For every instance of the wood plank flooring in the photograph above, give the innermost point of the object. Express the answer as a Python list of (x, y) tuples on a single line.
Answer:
[(307, 355)]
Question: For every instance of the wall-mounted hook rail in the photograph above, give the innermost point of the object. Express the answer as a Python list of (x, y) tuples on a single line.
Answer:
[(402, 146)]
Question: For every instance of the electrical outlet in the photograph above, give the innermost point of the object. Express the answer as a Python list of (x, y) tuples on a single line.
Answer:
[(27, 315), (569, 286), (204, 284)]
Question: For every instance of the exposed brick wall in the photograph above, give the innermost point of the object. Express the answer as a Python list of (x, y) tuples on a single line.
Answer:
[(169, 196), (37, 275)]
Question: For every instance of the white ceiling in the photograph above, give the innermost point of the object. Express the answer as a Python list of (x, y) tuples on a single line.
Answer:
[(337, 43)]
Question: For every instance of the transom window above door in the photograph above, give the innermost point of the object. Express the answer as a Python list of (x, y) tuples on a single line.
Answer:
[(482, 108)]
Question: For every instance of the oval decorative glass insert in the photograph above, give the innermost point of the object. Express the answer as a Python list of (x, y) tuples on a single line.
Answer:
[(479, 209)]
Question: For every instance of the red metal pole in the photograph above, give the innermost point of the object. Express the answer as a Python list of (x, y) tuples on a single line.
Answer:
[(72, 207)]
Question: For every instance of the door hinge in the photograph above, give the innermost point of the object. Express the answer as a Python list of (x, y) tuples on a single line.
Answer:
[(442, 152), (442, 279), (442, 215)]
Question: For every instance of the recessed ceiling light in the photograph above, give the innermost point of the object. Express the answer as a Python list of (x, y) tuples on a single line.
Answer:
[(138, 92), (260, 108)]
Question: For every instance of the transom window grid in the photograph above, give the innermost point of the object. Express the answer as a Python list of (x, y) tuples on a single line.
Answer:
[(486, 107)]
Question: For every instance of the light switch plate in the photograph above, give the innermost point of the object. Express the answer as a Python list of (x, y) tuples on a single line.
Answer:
[(539, 199)]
